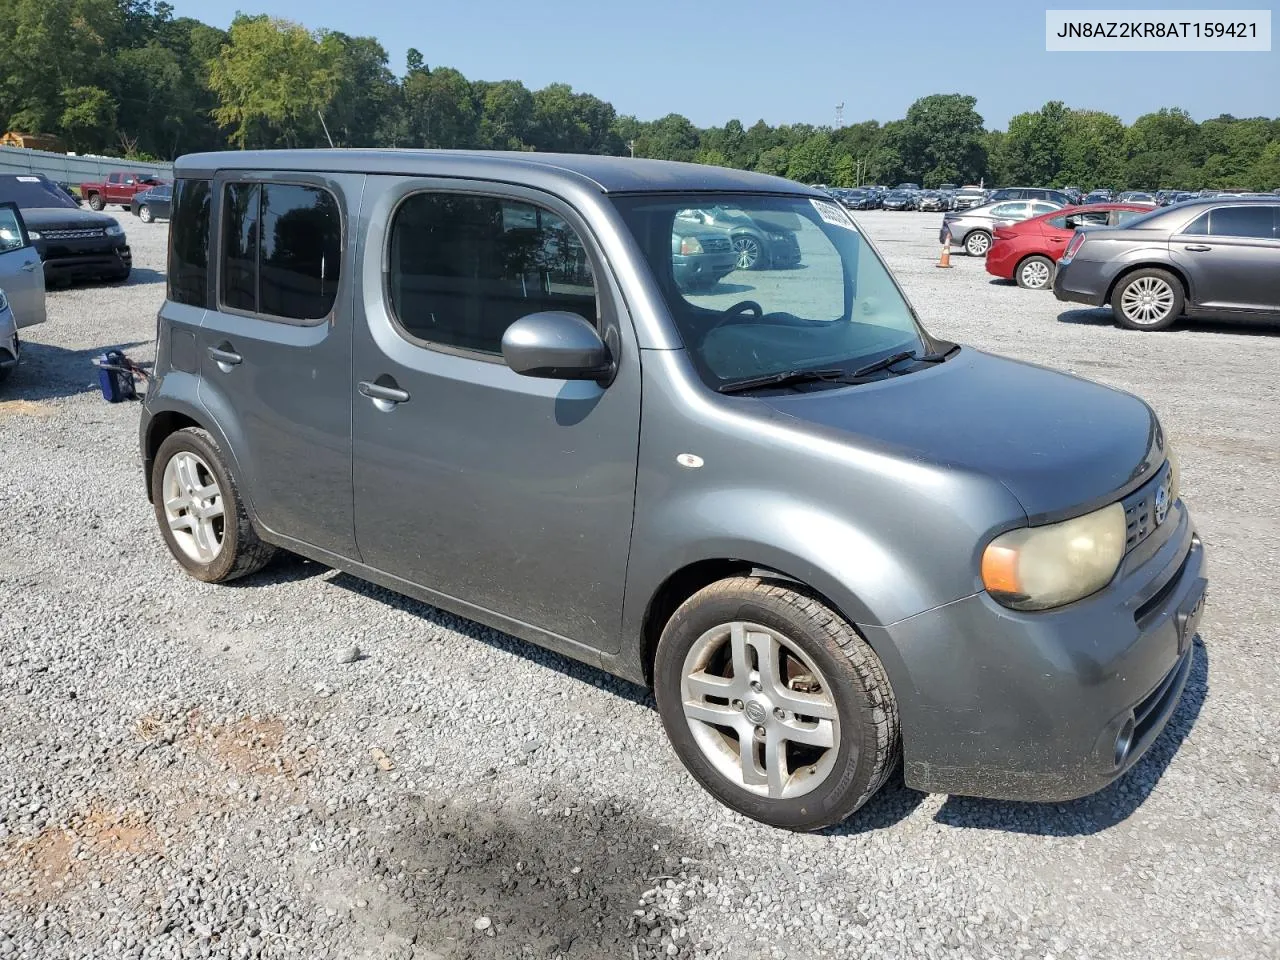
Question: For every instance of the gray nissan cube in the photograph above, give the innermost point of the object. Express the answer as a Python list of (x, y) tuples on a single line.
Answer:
[(828, 540)]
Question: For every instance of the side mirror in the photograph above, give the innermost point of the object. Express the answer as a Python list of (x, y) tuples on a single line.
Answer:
[(556, 345)]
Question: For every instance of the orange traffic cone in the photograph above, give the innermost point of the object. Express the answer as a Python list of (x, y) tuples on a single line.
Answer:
[(945, 260)]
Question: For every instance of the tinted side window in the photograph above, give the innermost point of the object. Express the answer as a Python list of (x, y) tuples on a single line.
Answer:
[(1252, 221), (301, 250), (1060, 223), (1009, 210), (464, 268), (281, 250), (1124, 216), (240, 246), (1198, 227), (189, 243)]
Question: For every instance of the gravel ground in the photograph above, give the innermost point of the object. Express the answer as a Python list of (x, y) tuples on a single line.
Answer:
[(193, 771)]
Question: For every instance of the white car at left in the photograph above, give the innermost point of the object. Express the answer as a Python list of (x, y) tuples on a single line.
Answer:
[(21, 285)]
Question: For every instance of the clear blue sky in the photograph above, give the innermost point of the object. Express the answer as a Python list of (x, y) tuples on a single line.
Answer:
[(788, 62)]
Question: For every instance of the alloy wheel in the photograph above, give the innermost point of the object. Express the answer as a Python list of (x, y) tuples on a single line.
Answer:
[(977, 244), (1147, 300), (1035, 274), (749, 252), (760, 711), (193, 506)]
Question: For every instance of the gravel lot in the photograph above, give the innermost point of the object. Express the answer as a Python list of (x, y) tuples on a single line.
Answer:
[(189, 770)]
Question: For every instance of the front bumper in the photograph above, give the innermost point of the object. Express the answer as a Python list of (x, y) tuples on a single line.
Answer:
[(9, 351), (1022, 706), (68, 266), (1081, 281)]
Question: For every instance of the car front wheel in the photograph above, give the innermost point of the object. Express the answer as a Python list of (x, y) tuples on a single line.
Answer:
[(144, 214), (750, 252), (1148, 299), (775, 704), (202, 517), (1035, 273), (977, 243)]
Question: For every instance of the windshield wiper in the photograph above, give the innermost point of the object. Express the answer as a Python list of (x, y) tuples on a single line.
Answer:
[(783, 378), (885, 362)]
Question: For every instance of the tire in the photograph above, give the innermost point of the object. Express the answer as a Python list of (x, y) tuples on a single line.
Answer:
[(223, 550), (852, 731), (144, 214), (95, 201), (1035, 273), (977, 243), (1148, 299), (750, 251)]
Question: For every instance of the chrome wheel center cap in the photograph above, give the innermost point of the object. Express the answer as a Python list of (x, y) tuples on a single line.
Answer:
[(756, 711)]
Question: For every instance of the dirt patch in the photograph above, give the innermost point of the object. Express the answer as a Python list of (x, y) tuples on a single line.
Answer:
[(61, 858), (26, 408), (248, 746)]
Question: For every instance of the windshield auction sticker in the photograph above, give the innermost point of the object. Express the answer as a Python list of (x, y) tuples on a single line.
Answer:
[(1157, 30), (833, 215)]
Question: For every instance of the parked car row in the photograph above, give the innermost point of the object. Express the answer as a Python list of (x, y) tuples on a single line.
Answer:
[(1152, 264)]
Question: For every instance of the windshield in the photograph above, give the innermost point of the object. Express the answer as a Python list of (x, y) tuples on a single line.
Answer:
[(30, 192), (791, 286)]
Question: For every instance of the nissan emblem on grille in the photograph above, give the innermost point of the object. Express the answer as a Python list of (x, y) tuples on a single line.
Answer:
[(1162, 503)]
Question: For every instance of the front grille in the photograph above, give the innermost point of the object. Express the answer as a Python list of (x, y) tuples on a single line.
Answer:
[(716, 244), (1140, 509), (72, 234)]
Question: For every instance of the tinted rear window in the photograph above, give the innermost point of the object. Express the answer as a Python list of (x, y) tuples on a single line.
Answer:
[(189, 243), (1257, 222), (281, 250)]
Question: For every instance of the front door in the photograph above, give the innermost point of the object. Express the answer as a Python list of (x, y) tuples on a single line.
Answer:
[(1232, 256), (275, 351), (509, 493), (21, 277)]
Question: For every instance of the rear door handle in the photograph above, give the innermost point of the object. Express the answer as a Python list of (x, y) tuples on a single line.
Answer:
[(1197, 247), (225, 357), (384, 396)]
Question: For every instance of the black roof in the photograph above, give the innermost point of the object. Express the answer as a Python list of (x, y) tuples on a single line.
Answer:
[(607, 174)]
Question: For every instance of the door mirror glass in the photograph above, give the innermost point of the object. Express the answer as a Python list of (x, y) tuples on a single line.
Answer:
[(556, 345)]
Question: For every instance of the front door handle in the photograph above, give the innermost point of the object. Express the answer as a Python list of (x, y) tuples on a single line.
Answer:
[(225, 357), (385, 396), (1197, 247), (30, 267)]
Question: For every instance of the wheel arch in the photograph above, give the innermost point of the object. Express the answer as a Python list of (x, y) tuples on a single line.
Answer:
[(1169, 268), (163, 424), (683, 583)]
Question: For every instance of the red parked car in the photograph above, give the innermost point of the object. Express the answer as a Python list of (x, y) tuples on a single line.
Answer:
[(1028, 252)]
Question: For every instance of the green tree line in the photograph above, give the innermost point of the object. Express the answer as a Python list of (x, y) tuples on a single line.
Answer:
[(126, 77)]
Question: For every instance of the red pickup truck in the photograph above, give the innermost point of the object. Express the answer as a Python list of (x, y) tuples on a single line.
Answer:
[(118, 188)]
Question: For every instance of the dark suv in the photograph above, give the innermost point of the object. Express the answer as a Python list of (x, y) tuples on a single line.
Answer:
[(75, 244), (1216, 257), (825, 537)]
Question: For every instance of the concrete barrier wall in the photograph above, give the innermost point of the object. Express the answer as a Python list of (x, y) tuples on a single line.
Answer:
[(73, 170)]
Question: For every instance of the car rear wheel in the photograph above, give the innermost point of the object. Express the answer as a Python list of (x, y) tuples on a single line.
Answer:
[(201, 514), (95, 202), (977, 243), (1149, 299), (1035, 273), (750, 252), (144, 214), (775, 704)]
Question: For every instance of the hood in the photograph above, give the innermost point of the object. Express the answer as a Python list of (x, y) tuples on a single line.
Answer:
[(1060, 444), (65, 218)]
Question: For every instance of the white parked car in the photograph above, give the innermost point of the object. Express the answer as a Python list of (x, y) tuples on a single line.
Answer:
[(21, 285)]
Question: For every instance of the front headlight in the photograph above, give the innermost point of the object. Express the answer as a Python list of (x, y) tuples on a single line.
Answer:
[(1036, 568), (33, 234), (115, 230)]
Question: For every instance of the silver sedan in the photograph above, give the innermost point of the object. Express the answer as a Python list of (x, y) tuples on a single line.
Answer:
[(974, 228)]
